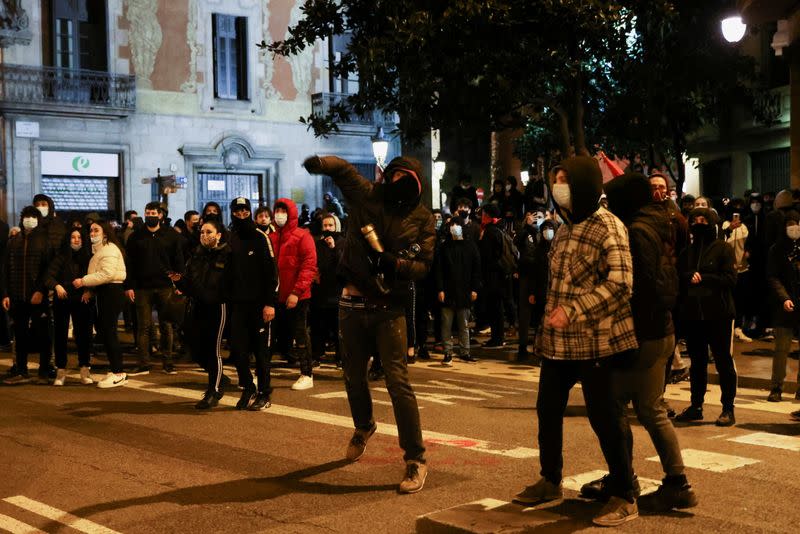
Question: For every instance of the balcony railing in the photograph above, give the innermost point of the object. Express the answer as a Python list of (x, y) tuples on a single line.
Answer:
[(56, 91), (321, 104)]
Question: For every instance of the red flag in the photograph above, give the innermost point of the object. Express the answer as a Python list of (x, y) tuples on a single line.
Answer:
[(610, 168)]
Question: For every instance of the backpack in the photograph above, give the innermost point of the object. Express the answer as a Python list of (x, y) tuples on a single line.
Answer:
[(667, 284), (509, 255)]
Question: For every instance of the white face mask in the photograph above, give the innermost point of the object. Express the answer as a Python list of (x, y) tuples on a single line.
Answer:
[(457, 232), (562, 195), (793, 232), (29, 223), (755, 207), (96, 239), (548, 234), (75, 247), (44, 210), (281, 218)]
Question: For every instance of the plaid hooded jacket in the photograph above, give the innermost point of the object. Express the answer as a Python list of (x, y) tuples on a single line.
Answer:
[(591, 275)]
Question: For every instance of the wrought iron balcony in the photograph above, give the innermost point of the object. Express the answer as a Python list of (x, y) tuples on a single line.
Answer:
[(66, 92), (321, 104)]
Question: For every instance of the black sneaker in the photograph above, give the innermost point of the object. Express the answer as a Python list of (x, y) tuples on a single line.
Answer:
[(692, 413), (598, 489), (209, 400), (261, 403), (775, 395), (726, 418), (669, 496), (170, 369), (140, 370), (448, 360), (423, 354), (248, 397), (494, 344)]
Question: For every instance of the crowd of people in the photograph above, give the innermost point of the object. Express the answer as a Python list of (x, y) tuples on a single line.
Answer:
[(605, 281)]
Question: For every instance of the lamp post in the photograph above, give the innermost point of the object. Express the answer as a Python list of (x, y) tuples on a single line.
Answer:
[(380, 147)]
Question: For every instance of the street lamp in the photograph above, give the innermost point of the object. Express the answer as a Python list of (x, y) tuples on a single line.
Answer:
[(380, 147), (733, 29)]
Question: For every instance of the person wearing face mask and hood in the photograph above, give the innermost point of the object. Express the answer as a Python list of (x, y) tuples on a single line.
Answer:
[(708, 277), (587, 331), (389, 243), (50, 224), (783, 277), (526, 241), (323, 316), (203, 282), (757, 249), (24, 295)]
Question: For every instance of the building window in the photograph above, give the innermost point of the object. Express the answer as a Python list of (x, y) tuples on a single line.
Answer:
[(230, 57), (76, 35)]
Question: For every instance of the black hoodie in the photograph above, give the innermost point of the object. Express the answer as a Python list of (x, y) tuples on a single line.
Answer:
[(585, 187), (54, 227)]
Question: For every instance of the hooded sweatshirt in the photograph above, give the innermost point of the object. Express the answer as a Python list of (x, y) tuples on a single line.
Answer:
[(54, 227), (591, 275), (295, 255)]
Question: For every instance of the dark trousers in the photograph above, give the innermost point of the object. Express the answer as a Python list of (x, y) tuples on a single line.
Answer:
[(605, 415), (204, 328), (249, 334), (382, 332), (80, 313), (30, 332), (109, 305), (294, 331), (717, 335), (323, 322), (493, 307), (525, 313), (146, 301)]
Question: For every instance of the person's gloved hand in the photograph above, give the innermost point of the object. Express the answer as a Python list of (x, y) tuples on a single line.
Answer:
[(313, 165), (387, 263)]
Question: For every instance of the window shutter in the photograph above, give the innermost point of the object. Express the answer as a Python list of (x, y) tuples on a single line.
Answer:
[(241, 59)]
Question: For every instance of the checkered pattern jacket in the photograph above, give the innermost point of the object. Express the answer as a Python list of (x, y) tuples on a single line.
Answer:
[(591, 277)]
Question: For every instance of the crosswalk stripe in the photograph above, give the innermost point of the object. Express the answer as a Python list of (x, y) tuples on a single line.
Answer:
[(10, 524), (765, 439), (439, 438), (343, 395), (575, 482), (60, 516), (711, 461)]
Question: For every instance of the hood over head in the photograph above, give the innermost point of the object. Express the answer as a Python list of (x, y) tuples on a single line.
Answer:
[(709, 214), (585, 185), (783, 200), (405, 193), (51, 206), (627, 194), (291, 210)]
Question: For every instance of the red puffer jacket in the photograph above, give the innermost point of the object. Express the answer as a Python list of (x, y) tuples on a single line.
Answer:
[(295, 255)]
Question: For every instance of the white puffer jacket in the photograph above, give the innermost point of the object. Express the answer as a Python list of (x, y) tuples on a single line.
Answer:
[(106, 266)]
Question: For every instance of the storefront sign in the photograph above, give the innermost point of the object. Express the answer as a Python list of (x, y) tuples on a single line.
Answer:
[(79, 164)]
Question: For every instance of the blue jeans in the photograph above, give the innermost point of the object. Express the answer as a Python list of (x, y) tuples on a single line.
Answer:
[(462, 317)]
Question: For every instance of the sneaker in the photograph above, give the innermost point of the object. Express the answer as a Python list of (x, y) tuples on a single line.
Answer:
[(414, 479), (678, 375), (423, 354), (775, 395), (448, 360), (494, 344), (86, 377), (358, 443), (542, 491), (795, 415), (261, 403), (741, 336), (209, 400), (616, 512), (485, 331), (467, 358), (43, 380), (61, 377), (113, 380), (726, 418), (669, 497), (170, 369), (140, 370), (598, 489), (304, 382), (248, 397), (692, 413), (17, 380)]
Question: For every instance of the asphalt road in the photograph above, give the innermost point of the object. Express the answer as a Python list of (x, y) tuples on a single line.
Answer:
[(142, 459)]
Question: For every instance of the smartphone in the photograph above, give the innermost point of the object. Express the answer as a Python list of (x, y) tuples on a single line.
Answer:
[(736, 217)]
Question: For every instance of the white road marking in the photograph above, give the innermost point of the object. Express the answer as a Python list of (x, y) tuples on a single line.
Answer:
[(450, 440), (680, 392), (60, 516), (343, 395), (575, 482), (17, 527), (711, 461), (765, 439)]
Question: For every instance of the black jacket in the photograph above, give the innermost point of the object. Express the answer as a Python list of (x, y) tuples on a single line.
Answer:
[(326, 290), (52, 225), (205, 276), (783, 278), (712, 298), (491, 248), (66, 266), (252, 275), (25, 265), (458, 272), (397, 232), (150, 255)]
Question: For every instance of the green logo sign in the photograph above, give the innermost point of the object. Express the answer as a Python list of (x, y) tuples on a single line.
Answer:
[(80, 163)]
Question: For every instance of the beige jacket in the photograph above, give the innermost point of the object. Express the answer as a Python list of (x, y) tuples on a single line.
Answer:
[(107, 266)]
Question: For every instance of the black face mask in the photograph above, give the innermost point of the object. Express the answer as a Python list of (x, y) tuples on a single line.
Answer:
[(151, 222), (211, 217), (263, 227), (703, 231), (328, 233), (464, 214), (401, 194), (243, 225)]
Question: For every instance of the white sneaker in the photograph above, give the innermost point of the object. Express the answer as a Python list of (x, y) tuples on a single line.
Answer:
[(61, 377), (86, 377), (304, 382), (113, 380), (740, 335)]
